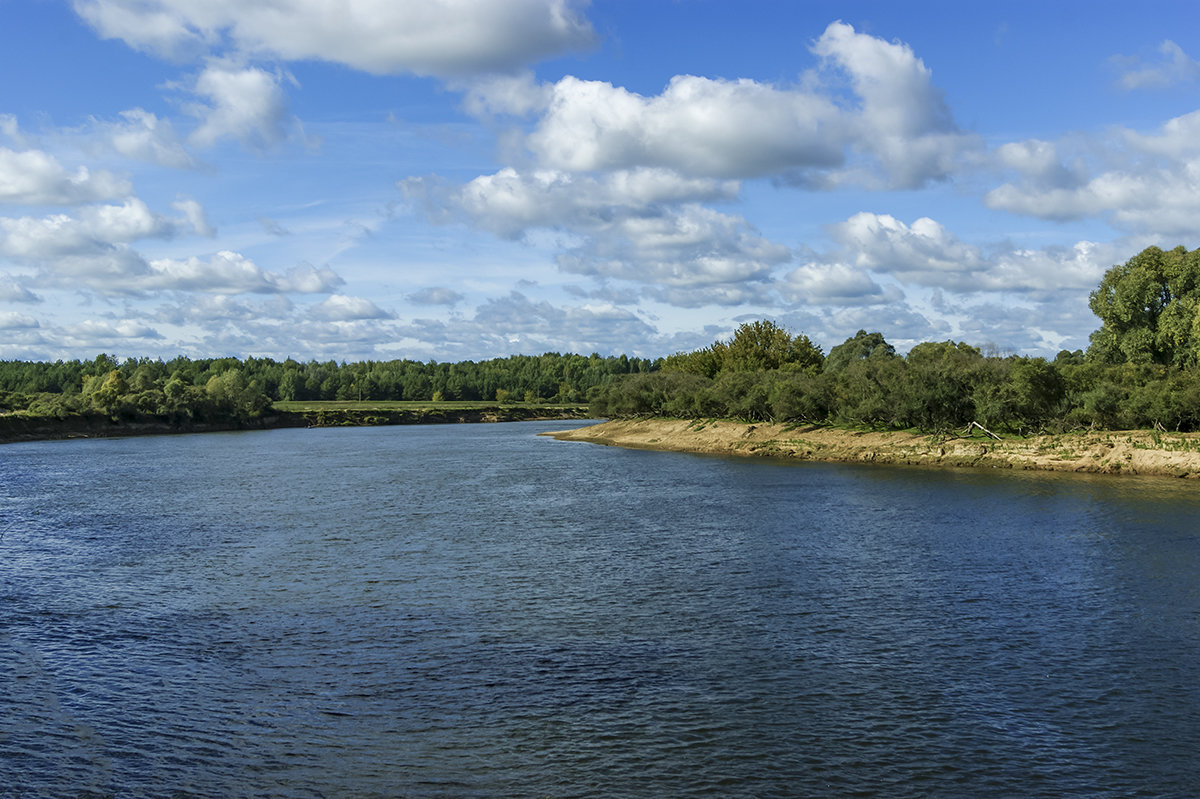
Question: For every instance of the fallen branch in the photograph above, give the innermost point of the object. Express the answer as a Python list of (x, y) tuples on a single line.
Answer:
[(973, 425)]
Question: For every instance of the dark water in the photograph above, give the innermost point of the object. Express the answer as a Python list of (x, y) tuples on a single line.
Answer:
[(472, 611)]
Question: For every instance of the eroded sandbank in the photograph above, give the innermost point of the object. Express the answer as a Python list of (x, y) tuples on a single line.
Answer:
[(1112, 452)]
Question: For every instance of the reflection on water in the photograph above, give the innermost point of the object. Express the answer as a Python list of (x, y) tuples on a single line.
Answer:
[(475, 611)]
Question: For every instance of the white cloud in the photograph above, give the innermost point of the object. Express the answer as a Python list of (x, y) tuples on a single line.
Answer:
[(506, 94), (340, 308), (927, 254), (229, 272), (435, 295), (903, 119), (12, 291), (1148, 184), (509, 203), (924, 252), (11, 129), (33, 177), (207, 310), (10, 320), (901, 325), (697, 126), (96, 333), (835, 284), (517, 324), (143, 136), (96, 230), (243, 103), (194, 216), (688, 246), (642, 225), (447, 38), (1172, 66), (743, 128)]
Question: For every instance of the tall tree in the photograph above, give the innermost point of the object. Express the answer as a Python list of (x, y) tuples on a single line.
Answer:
[(1150, 309), (861, 345)]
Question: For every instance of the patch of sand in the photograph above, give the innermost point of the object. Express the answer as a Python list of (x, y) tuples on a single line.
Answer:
[(1121, 452)]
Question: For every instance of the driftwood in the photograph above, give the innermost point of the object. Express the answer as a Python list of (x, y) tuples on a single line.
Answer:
[(976, 425)]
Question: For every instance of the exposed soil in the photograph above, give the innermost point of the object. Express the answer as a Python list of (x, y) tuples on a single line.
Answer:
[(1120, 452)]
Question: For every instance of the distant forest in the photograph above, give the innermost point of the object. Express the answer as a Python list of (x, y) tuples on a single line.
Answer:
[(228, 388), (1142, 370)]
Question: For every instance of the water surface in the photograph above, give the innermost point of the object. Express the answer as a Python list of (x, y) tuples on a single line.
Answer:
[(474, 611)]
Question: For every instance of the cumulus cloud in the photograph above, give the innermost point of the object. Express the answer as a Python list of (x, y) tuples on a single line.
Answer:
[(446, 39), (706, 127), (688, 246), (341, 308), (194, 216), (11, 129), (835, 284), (627, 180), (10, 320), (1148, 183), (12, 291), (207, 310), (1170, 67), (509, 203), (697, 126), (902, 325), (925, 253), (435, 295), (642, 225), (505, 94), (243, 103), (229, 272), (98, 232), (517, 324), (94, 332), (903, 119), (143, 136), (33, 177)]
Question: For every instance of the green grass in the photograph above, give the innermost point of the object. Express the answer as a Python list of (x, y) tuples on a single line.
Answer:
[(304, 406)]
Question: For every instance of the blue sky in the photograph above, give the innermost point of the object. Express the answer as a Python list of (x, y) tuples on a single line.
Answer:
[(369, 179)]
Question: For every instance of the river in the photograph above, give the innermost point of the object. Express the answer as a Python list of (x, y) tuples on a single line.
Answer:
[(476, 611)]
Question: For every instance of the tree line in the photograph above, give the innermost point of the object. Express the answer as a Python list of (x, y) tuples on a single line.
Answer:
[(224, 388), (1141, 370)]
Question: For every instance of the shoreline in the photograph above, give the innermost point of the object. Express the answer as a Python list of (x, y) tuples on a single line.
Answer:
[(1127, 452), (19, 429)]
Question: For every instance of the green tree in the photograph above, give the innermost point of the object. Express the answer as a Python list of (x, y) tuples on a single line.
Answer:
[(763, 345), (938, 385), (1149, 308), (106, 393), (856, 348)]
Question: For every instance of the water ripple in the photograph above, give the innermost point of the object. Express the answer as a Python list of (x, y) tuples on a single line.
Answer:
[(470, 611)]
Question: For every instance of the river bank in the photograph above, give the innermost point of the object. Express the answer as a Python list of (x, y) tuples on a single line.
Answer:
[(18, 427), (1109, 452)]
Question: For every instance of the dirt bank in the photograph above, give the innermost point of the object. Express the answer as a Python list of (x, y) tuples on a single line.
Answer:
[(1124, 452), (16, 427)]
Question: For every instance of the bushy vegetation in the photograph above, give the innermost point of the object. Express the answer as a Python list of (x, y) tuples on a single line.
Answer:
[(1142, 370)]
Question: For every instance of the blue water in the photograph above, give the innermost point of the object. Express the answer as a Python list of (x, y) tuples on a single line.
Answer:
[(475, 611)]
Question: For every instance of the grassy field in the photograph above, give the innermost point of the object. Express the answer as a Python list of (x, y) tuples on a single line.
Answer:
[(382, 405)]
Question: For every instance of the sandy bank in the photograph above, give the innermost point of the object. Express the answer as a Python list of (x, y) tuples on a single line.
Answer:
[(1124, 452)]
